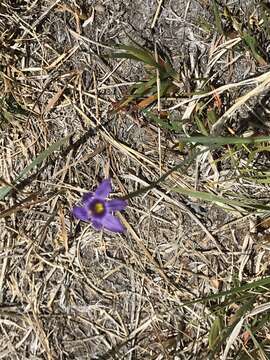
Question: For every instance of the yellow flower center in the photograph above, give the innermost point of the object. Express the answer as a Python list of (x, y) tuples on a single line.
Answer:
[(99, 208)]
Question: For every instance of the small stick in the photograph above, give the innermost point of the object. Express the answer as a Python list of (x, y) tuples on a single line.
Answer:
[(156, 14), (159, 107)]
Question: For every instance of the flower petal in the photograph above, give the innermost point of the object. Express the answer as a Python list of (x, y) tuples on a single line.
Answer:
[(116, 205), (86, 199), (97, 224), (112, 223), (80, 213), (104, 189)]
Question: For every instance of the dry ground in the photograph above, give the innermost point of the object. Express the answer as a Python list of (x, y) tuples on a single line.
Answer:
[(66, 290)]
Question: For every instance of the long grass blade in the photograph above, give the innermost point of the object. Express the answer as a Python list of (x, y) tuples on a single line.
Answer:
[(37, 161), (253, 285), (222, 140), (244, 202)]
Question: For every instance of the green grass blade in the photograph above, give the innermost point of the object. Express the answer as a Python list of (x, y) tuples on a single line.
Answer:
[(222, 140), (217, 17), (228, 330), (214, 332), (145, 87), (244, 202), (139, 54), (266, 17), (258, 346), (253, 46), (184, 165), (123, 55), (253, 285), (37, 161)]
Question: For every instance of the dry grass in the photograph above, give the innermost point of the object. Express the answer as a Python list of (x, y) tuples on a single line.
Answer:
[(66, 290)]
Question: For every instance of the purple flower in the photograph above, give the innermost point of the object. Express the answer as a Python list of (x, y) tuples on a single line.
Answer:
[(97, 210)]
